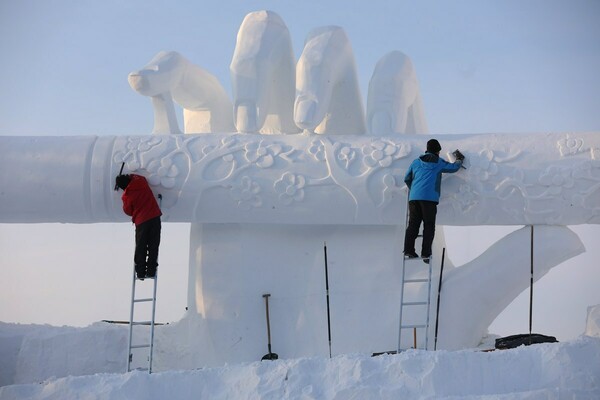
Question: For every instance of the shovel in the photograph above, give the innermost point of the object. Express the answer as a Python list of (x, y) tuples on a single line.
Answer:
[(270, 355)]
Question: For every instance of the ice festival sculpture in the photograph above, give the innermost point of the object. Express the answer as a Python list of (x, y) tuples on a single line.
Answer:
[(291, 162)]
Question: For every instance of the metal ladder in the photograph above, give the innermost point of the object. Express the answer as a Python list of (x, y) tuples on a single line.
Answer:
[(132, 323), (415, 264), (423, 303)]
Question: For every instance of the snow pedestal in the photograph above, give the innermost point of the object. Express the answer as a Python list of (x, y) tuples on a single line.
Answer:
[(287, 261)]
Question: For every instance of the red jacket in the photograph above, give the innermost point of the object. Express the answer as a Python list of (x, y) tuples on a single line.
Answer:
[(139, 201)]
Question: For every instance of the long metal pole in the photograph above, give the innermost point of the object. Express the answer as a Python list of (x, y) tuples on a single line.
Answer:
[(327, 291), (437, 313), (531, 287)]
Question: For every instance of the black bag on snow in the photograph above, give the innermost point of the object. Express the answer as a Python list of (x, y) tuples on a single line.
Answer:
[(526, 339)]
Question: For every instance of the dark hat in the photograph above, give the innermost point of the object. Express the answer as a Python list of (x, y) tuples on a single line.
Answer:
[(121, 181), (433, 146)]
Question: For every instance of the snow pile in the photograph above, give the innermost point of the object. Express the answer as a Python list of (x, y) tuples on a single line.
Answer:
[(566, 370), (558, 370)]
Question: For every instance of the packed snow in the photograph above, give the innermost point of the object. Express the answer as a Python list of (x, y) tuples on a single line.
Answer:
[(44, 362)]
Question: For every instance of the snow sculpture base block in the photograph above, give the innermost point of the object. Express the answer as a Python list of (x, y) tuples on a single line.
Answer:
[(288, 262)]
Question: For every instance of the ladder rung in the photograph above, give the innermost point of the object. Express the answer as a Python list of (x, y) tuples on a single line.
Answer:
[(142, 323), (139, 346), (413, 326), (415, 303), (416, 280), (142, 300)]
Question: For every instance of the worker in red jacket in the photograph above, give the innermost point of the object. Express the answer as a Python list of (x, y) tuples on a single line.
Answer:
[(140, 204)]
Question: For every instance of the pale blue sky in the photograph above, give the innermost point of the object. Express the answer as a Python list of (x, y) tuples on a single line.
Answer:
[(483, 66)]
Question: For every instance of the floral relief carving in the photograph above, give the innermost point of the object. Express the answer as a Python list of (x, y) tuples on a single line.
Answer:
[(570, 146), (346, 155), (290, 188), (246, 193), (317, 150), (363, 169), (380, 153)]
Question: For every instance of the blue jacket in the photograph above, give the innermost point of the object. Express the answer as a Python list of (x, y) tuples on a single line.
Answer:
[(424, 176)]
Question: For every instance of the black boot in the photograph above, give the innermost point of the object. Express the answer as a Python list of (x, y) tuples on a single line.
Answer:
[(151, 271), (140, 271)]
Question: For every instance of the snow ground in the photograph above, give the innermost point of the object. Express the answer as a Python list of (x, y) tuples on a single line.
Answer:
[(568, 370)]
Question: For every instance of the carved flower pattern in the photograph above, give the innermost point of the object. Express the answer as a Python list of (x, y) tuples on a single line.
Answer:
[(317, 150), (570, 146), (379, 153), (346, 155), (483, 166), (290, 188), (556, 179), (163, 172), (262, 156), (245, 193), (465, 197), (134, 147)]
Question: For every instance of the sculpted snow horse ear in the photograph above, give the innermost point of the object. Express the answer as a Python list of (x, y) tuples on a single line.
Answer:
[(169, 76), (394, 102), (328, 99), (263, 75)]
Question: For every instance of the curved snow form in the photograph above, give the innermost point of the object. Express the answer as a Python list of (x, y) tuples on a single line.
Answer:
[(475, 293), (263, 76), (559, 370), (592, 327), (394, 104), (328, 97), (169, 76)]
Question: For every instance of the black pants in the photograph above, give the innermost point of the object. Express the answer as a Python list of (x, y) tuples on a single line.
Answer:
[(420, 211), (147, 240)]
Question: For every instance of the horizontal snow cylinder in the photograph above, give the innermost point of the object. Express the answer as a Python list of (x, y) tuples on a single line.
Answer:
[(510, 179)]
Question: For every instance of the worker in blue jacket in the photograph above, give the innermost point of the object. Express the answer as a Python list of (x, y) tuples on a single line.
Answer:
[(424, 179)]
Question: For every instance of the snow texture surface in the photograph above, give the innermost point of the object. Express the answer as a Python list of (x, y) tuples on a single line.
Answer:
[(44, 355)]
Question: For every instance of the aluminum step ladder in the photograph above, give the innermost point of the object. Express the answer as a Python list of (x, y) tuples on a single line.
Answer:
[(417, 277), (142, 323), (417, 280)]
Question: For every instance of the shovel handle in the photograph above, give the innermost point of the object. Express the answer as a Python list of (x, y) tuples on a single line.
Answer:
[(266, 297)]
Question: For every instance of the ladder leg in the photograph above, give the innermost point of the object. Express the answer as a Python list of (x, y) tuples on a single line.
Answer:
[(401, 304), (131, 322), (152, 323)]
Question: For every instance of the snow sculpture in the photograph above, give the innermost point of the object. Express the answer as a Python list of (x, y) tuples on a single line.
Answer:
[(328, 97), (263, 75), (278, 198), (169, 76), (394, 103), (465, 321)]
